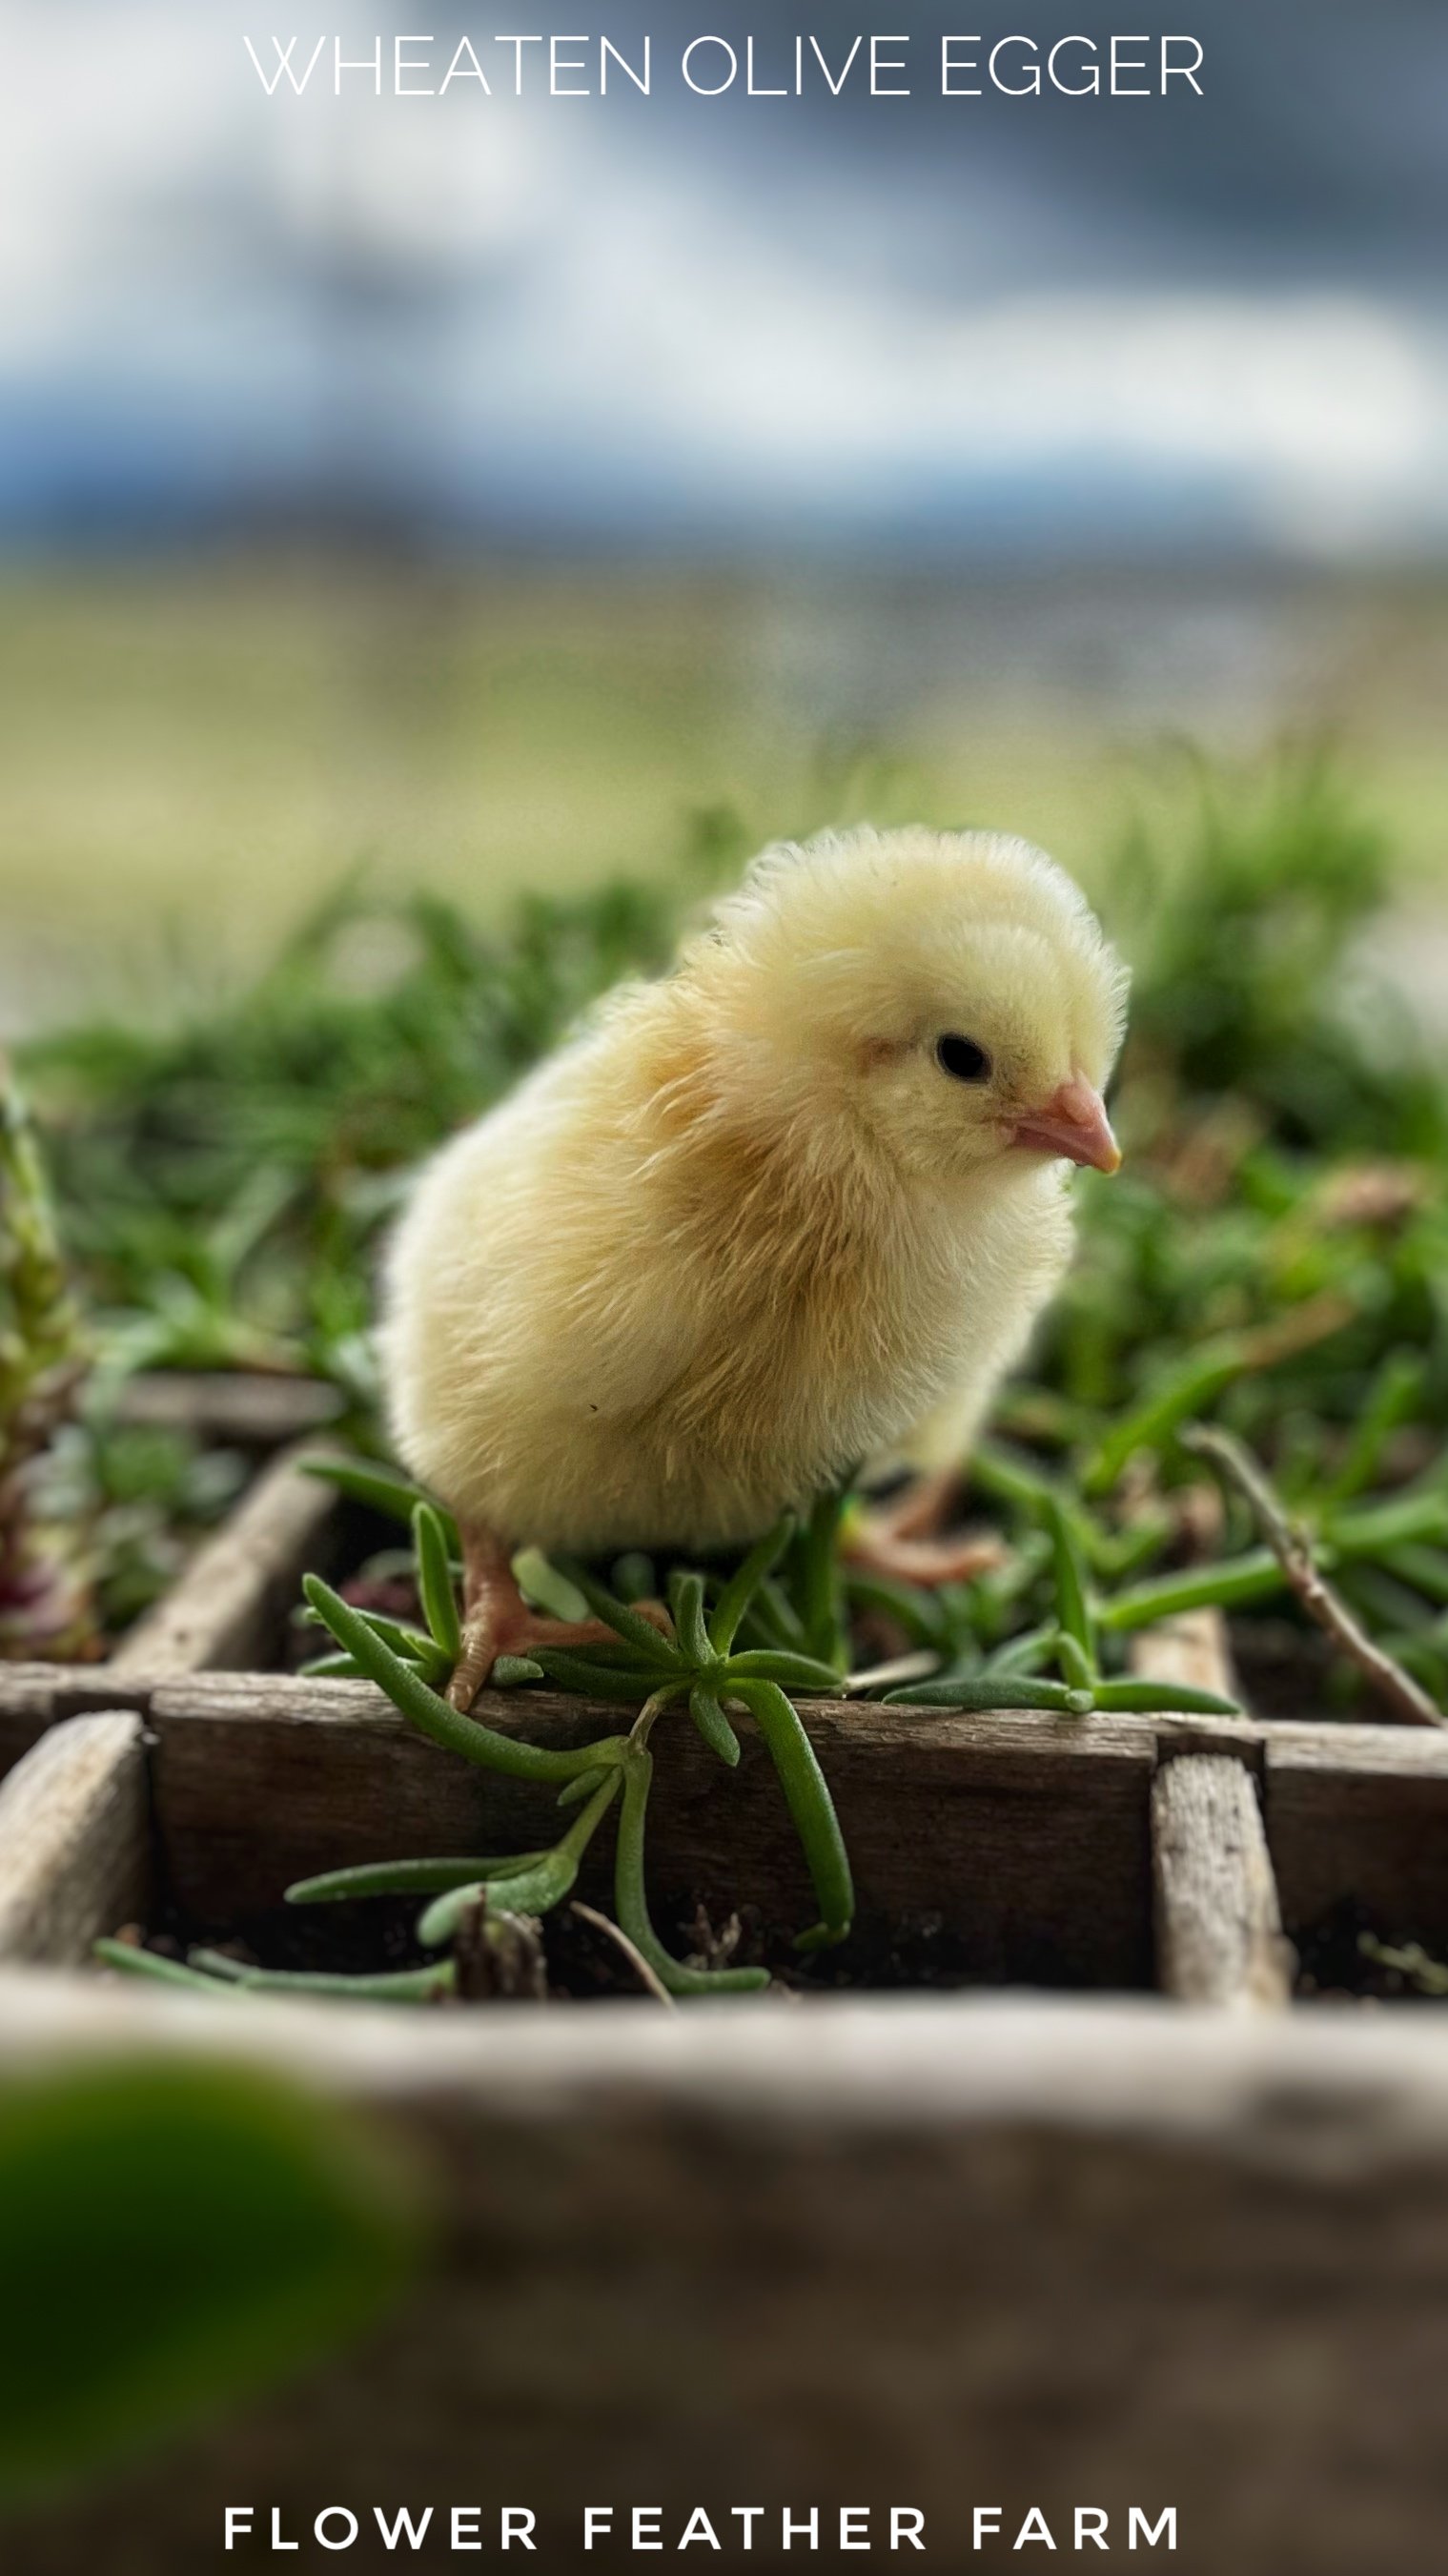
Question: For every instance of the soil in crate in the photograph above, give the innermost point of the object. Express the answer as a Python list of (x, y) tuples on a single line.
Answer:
[(1286, 1668), (1332, 1966), (916, 1952)]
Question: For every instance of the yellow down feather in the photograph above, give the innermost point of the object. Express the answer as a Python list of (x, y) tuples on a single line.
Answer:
[(743, 1230)]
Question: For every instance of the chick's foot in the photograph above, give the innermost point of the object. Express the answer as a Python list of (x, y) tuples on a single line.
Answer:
[(906, 1541), (498, 1621)]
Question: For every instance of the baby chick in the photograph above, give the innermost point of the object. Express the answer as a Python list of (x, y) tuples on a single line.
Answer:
[(792, 1207)]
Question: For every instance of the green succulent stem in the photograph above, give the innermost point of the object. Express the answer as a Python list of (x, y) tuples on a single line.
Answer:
[(631, 1900), (740, 1591), (432, 1715), (811, 1806)]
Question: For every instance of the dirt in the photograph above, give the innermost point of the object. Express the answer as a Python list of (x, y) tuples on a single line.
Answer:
[(1332, 1967), (371, 1936), (1286, 1669)]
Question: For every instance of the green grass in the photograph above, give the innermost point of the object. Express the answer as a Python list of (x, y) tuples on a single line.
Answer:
[(1274, 1257), (193, 750)]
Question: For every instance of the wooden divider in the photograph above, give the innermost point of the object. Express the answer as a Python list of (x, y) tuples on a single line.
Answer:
[(1218, 1924)]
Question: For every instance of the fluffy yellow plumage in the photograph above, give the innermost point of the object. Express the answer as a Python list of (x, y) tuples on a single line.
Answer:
[(795, 1205)]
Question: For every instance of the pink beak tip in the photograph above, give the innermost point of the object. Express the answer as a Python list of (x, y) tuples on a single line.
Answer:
[(1072, 1123)]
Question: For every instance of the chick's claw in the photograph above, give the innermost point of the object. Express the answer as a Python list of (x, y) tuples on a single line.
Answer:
[(906, 1540), (927, 1561), (498, 1621)]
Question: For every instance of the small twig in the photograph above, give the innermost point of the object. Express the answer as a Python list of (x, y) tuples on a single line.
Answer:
[(635, 1957), (1300, 1329), (1293, 1552), (902, 1668)]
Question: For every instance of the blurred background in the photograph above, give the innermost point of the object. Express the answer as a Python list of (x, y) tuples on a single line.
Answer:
[(487, 492)]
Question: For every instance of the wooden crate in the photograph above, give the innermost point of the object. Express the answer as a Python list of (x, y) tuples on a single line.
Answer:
[(1108, 2247), (1111, 2228), (229, 1607)]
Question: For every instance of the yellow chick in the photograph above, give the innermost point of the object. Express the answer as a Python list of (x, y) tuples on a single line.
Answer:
[(794, 1206)]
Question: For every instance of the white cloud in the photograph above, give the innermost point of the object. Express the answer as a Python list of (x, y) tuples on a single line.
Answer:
[(540, 284)]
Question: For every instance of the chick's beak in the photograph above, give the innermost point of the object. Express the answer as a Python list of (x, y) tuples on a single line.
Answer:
[(1073, 1122)]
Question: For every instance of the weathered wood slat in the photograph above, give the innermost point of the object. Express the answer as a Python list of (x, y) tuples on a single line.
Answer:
[(74, 1843), (1192, 1649), (229, 1605), (239, 1408), (1026, 1833), (892, 2231), (1358, 1819), (1218, 1928), (27, 1708)]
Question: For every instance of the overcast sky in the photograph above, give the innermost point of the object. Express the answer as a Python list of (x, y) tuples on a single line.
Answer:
[(1006, 323)]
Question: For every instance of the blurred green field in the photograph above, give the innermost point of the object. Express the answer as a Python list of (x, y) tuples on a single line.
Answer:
[(190, 750)]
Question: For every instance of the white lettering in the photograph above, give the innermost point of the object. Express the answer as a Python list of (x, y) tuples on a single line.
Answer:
[(699, 87), (1124, 63), (403, 88), (565, 63), (284, 64), (886, 63), (1181, 71), (517, 43), (749, 83), (369, 63), (1087, 88), (1026, 2533), (416, 2533), (1151, 2531), (699, 2527), (605, 48), (1030, 87), (473, 69), (832, 85)]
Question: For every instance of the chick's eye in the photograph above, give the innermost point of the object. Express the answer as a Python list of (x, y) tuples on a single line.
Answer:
[(962, 1059)]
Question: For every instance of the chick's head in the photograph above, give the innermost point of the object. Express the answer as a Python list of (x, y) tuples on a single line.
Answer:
[(946, 997)]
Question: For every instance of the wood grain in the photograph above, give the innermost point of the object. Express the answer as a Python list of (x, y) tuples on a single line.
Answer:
[(73, 1838), (1357, 1817), (1025, 1833), (241, 1408), (932, 2253), (228, 1607), (27, 1708), (1218, 1928)]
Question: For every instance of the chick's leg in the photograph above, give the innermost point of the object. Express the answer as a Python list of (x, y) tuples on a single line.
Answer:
[(911, 1539), (497, 1619), (905, 1541)]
